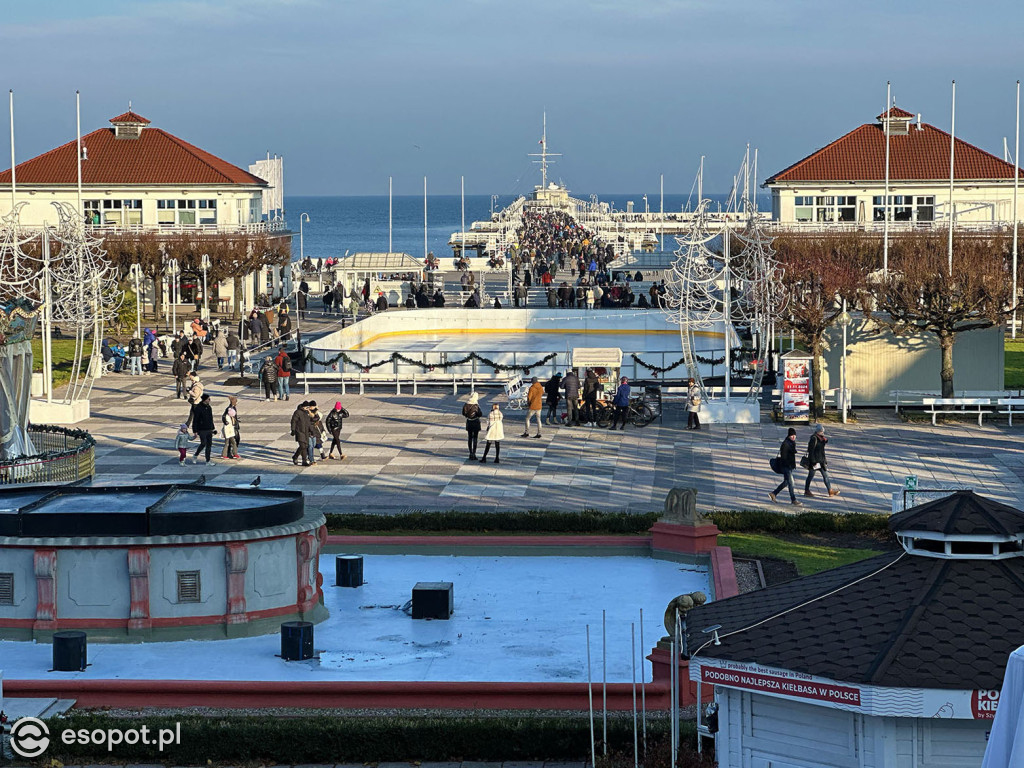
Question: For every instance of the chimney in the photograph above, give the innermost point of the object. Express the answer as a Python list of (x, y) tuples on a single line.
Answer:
[(919, 126)]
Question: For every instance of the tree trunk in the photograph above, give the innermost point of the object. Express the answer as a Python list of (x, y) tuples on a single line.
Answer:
[(817, 369), (159, 311), (946, 345)]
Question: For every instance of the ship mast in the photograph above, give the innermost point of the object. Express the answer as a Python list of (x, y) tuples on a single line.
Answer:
[(544, 154)]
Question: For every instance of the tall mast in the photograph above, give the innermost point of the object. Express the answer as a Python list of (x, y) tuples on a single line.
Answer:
[(886, 203), (544, 154), (78, 122), (952, 144)]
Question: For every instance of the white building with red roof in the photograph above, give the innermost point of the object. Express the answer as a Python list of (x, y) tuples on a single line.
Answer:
[(137, 177), (843, 183)]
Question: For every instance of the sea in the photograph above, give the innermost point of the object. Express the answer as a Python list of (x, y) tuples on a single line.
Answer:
[(352, 224)]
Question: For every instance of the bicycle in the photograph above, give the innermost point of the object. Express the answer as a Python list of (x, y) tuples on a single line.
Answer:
[(638, 414)]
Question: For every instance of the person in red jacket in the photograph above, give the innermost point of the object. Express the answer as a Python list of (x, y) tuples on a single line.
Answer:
[(284, 372)]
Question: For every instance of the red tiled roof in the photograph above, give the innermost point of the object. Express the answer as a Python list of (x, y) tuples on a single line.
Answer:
[(155, 157), (895, 112), (129, 117), (919, 155)]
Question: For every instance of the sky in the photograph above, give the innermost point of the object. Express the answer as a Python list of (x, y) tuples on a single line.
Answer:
[(351, 92)]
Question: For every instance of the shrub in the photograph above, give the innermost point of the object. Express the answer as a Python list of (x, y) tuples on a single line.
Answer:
[(533, 521), (763, 521), (331, 739)]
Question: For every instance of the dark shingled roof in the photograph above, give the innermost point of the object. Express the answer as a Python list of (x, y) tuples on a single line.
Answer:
[(965, 512), (896, 620)]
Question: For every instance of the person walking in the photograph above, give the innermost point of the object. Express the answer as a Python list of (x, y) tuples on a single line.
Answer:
[(284, 372), (230, 446), (334, 422), (233, 404), (181, 370), (284, 324), (621, 403), (816, 461), (553, 391), (194, 390), (316, 432), (571, 385), (268, 375), (787, 462), (692, 405), (300, 430), (220, 349), (534, 404), (472, 413), (203, 428), (181, 443), (234, 345), (495, 434)]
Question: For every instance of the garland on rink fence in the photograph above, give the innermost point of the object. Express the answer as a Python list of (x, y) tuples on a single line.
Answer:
[(399, 357), (737, 354)]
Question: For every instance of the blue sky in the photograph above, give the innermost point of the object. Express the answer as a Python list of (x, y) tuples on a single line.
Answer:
[(353, 91)]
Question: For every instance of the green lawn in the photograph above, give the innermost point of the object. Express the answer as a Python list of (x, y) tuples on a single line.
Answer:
[(807, 557), (1013, 364), (63, 355)]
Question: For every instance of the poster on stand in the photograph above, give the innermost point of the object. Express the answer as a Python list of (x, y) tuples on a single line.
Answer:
[(796, 386)]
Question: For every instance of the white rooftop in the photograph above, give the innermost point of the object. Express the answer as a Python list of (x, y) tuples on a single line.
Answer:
[(517, 619)]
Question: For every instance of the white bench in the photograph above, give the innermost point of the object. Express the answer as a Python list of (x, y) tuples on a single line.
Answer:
[(976, 405), (1013, 405)]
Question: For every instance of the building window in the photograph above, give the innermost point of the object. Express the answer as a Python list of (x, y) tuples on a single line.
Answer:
[(207, 211), (804, 210), (165, 212), (6, 589), (92, 212), (902, 207), (188, 587), (925, 208)]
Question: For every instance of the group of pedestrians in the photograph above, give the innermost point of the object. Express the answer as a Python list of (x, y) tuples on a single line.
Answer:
[(814, 462), (310, 431), (202, 427), (276, 375)]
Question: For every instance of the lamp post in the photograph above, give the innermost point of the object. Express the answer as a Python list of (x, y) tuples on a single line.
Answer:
[(204, 262), (844, 320), (173, 274), (302, 250), (136, 273), (296, 281)]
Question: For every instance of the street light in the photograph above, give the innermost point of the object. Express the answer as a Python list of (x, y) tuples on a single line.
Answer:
[(136, 272), (302, 250), (173, 274), (205, 264), (844, 320), (296, 281)]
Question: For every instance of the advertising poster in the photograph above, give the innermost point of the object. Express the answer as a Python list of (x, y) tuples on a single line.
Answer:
[(796, 388)]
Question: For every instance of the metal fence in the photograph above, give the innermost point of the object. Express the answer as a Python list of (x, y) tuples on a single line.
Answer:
[(63, 456)]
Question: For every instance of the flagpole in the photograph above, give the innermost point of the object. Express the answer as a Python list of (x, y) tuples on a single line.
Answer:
[(424, 218), (1017, 150), (78, 121), (14, 195), (952, 217), (390, 246), (462, 251), (885, 201)]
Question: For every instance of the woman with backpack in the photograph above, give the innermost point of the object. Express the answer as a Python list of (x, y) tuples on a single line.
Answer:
[(268, 375), (284, 372)]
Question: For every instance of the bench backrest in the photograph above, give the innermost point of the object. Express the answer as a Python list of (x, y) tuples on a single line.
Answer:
[(1011, 401), (957, 401)]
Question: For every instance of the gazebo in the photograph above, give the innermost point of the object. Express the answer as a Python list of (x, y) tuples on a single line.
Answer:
[(386, 271), (897, 659)]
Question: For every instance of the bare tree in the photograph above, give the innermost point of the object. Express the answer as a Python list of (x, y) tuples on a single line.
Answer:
[(819, 271), (920, 295)]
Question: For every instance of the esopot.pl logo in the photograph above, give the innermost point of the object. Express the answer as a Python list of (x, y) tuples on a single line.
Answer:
[(29, 737)]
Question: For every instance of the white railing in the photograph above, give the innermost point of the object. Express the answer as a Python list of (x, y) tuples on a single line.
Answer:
[(894, 226), (254, 228)]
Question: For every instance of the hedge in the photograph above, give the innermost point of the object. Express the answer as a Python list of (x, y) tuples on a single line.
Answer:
[(334, 739), (533, 521), (592, 521)]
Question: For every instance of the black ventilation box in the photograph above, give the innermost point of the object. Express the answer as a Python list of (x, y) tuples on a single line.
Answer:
[(296, 640), (69, 651), (348, 571), (433, 600)]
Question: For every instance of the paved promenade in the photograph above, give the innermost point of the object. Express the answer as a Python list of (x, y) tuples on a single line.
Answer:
[(409, 453)]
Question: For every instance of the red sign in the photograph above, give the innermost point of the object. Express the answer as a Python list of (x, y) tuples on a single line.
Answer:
[(804, 689), (984, 703)]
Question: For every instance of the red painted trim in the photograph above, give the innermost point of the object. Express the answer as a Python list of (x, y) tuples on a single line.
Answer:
[(342, 694), (723, 573), (637, 542)]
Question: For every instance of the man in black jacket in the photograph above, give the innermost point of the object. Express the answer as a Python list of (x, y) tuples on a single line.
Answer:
[(300, 430), (787, 460), (202, 426), (571, 385), (181, 369), (553, 391)]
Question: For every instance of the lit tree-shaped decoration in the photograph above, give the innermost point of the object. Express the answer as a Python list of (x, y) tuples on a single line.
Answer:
[(734, 288)]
